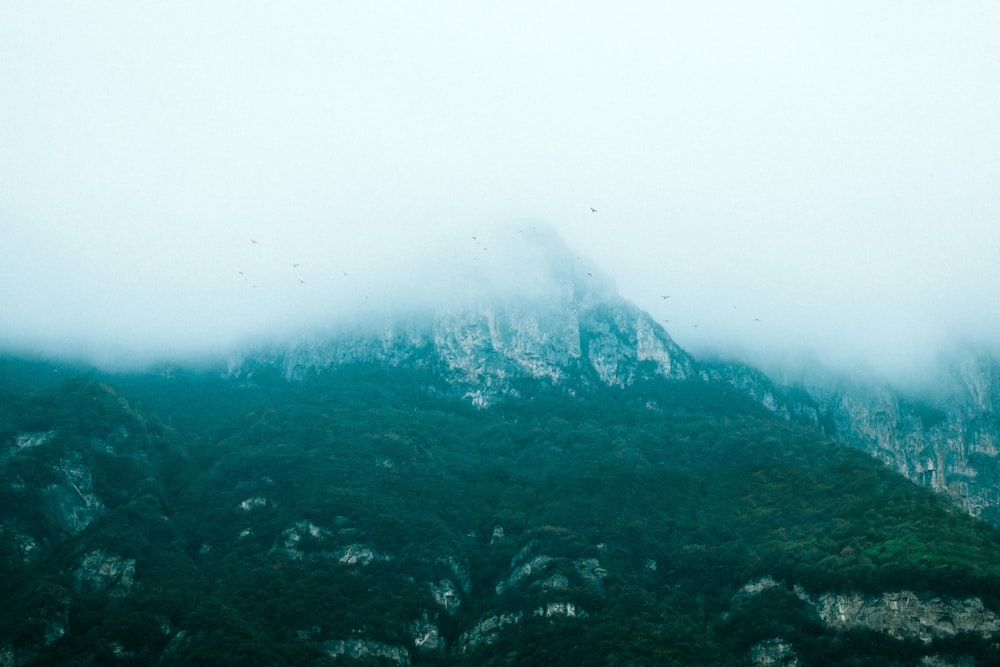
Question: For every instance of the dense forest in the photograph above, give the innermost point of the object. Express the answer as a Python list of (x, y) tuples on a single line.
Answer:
[(364, 515)]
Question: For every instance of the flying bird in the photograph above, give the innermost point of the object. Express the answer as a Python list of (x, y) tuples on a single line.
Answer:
[(593, 210), (253, 241), (664, 296)]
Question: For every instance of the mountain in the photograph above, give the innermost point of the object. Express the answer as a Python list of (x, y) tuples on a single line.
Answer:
[(578, 332), (575, 331), (538, 480)]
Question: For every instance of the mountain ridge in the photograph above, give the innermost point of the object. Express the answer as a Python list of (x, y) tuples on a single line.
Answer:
[(483, 348), (948, 441)]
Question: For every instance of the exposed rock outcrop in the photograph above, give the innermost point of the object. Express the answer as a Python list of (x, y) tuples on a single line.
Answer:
[(99, 570), (446, 594), (905, 615), (486, 631), (366, 649), (307, 541), (485, 350), (774, 652), (427, 636), (947, 439)]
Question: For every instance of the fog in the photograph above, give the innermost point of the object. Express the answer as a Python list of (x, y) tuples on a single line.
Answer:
[(805, 183)]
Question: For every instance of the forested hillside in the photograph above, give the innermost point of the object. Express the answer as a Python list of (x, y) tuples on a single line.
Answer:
[(363, 515)]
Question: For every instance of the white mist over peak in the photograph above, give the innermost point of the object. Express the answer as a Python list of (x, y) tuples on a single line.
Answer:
[(774, 182), (516, 263), (267, 289)]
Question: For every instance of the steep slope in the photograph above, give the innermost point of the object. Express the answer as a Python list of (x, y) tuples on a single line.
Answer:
[(948, 440), (483, 352)]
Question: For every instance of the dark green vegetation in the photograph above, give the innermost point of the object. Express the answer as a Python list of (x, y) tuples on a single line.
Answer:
[(231, 505)]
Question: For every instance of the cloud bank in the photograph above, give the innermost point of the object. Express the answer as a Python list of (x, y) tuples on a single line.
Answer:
[(804, 182)]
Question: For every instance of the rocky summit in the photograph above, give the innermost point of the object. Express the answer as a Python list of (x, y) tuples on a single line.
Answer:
[(486, 352)]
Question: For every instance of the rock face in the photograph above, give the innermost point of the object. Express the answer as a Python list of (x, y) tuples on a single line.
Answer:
[(446, 594), (773, 653), (307, 541), (487, 631), (363, 649), (948, 441), (69, 499), (484, 352), (102, 571), (427, 636), (566, 609), (905, 615), (72, 501), (901, 615), (550, 572), (950, 444)]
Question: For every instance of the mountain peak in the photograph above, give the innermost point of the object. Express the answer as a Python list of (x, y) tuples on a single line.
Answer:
[(535, 310)]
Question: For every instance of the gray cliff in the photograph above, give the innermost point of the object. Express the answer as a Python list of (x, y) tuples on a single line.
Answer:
[(574, 335), (946, 439)]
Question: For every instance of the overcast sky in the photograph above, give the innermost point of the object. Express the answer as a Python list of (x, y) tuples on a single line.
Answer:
[(830, 169)]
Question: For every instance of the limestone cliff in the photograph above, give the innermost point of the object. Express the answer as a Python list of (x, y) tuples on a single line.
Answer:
[(900, 615), (947, 440), (569, 338)]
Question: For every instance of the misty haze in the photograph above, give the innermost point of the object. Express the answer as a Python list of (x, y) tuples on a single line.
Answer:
[(827, 173), (501, 334)]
